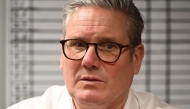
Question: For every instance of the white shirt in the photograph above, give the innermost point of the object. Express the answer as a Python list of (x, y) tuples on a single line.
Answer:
[(57, 97)]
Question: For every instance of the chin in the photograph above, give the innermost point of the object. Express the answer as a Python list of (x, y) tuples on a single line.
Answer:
[(90, 97)]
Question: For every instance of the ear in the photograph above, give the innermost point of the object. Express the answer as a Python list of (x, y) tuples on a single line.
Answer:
[(138, 57), (61, 59)]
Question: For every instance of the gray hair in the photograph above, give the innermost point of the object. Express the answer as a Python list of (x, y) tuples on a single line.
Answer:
[(135, 23)]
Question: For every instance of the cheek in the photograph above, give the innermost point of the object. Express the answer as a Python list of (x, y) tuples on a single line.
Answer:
[(69, 69), (121, 75), (119, 69)]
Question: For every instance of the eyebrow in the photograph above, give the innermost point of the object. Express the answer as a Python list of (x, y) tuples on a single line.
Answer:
[(98, 39), (107, 39)]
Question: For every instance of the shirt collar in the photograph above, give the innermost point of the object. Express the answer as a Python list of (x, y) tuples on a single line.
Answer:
[(65, 101), (132, 102)]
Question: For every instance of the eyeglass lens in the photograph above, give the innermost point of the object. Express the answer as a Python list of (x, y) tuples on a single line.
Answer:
[(106, 51)]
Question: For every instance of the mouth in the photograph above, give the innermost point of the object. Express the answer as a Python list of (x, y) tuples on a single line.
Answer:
[(91, 79)]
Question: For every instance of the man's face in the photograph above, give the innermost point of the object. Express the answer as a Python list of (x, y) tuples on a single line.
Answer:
[(91, 80)]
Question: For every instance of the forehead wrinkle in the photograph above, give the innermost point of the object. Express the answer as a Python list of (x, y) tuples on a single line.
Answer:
[(86, 16), (82, 21)]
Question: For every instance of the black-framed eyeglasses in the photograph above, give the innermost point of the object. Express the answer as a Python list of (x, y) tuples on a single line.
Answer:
[(75, 49)]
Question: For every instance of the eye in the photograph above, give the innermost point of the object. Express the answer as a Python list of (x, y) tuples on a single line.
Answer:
[(79, 44), (108, 46), (76, 43)]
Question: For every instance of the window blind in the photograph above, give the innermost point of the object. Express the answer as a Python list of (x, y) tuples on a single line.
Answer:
[(35, 28)]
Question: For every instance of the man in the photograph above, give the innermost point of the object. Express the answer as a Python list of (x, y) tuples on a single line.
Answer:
[(101, 52)]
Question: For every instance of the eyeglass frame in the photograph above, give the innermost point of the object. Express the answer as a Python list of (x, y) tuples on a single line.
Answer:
[(121, 46)]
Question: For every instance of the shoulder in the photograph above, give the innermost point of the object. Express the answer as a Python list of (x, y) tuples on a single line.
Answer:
[(48, 100), (148, 100)]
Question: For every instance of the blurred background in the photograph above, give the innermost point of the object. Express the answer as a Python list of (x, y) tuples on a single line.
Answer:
[(30, 31)]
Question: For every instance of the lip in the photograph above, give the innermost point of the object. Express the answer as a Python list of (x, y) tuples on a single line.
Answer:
[(91, 79)]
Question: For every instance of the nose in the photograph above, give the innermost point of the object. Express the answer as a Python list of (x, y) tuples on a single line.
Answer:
[(90, 60)]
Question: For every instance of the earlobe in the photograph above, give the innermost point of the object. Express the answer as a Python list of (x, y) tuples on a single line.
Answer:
[(61, 66), (138, 57), (61, 59)]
